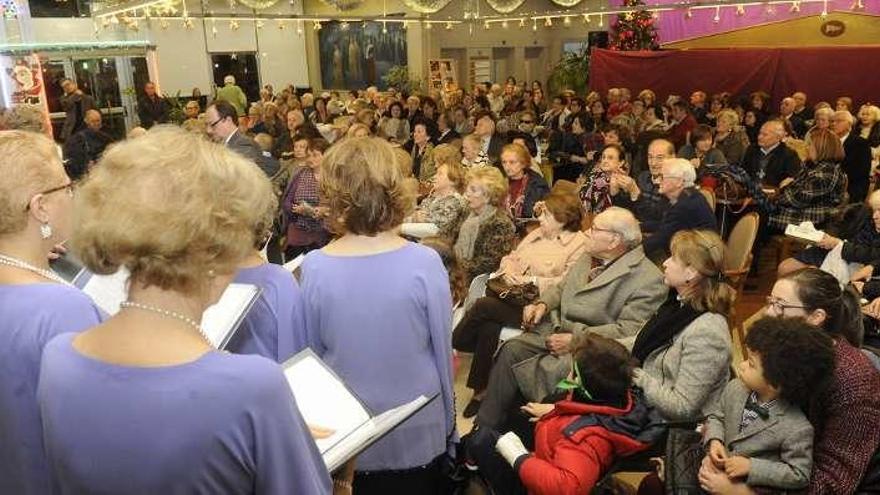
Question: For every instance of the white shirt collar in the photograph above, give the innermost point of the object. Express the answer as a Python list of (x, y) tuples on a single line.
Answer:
[(770, 149), (226, 142)]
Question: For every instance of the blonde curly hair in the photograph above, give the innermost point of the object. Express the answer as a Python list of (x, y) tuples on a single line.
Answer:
[(172, 209)]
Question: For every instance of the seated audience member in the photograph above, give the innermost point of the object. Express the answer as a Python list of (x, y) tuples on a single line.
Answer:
[(358, 130), (596, 417), (770, 161), (611, 291), (846, 414), (608, 183), (421, 150), (857, 161), (487, 232), (683, 123), (542, 258), (222, 128), (300, 207), (83, 149), (843, 104), (751, 126), (757, 434), (801, 109), (651, 204), (445, 204), (297, 125), (36, 304), (526, 140), (446, 133), (370, 270), (525, 187), (472, 153), (860, 240), (817, 192), (393, 126), (687, 207), (786, 113), (869, 128), (566, 149), (491, 141), (463, 124), (822, 121), (729, 138), (446, 154), (702, 151), (188, 418), (684, 349)]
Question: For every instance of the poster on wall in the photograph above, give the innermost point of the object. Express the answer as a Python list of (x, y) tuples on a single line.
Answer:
[(440, 71), (23, 83), (357, 55)]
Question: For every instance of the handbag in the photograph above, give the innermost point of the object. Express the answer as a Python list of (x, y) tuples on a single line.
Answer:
[(517, 295)]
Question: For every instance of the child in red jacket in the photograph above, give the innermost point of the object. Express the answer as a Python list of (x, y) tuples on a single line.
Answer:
[(599, 418)]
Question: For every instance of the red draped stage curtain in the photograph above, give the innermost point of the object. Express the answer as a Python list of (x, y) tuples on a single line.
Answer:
[(822, 73)]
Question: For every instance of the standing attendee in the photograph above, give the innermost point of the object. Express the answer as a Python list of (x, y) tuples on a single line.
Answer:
[(75, 104), (188, 418), (152, 108), (222, 121), (857, 160), (233, 95), (371, 271), (83, 149), (300, 205), (36, 304)]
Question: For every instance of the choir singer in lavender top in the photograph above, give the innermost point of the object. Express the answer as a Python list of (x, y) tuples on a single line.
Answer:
[(35, 303), (379, 313), (142, 404)]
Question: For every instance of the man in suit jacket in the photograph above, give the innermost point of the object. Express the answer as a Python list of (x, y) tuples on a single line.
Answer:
[(770, 161), (75, 104), (446, 134), (688, 208), (222, 121), (492, 141), (857, 156), (611, 290), (85, 147)]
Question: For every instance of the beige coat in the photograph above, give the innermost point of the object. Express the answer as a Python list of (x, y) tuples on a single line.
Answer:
[(615, 305), (548, 260)]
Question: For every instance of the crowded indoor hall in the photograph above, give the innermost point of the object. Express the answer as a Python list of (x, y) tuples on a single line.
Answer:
[(439, 247)]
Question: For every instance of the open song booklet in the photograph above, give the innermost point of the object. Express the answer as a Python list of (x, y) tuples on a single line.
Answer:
[(219, 322), (325, 401)]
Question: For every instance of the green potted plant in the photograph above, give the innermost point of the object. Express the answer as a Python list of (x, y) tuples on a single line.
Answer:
[(571, 72)]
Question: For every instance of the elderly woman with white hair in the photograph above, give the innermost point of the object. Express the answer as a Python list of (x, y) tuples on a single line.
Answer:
[(730, 138), (688, 208)]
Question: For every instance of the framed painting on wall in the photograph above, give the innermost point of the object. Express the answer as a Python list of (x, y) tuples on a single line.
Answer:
[(356, 55)]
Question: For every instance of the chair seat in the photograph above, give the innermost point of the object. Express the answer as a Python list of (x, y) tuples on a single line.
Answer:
[(509, 333)]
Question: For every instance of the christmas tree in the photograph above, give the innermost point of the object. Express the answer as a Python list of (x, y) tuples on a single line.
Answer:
[(634, 30)]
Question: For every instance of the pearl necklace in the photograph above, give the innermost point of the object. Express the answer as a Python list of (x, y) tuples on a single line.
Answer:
[(24, 265), (169, 314)]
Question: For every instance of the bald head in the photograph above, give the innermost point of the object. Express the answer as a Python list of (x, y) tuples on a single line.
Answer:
[(659, 151), (93, 119), (786, 106), (771, 134)]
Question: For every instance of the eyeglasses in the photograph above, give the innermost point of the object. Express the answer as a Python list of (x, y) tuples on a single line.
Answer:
[(661, 177), (593, 228), (652, 158), (68, 187), (526, 121), (780, 306), (212, 124)]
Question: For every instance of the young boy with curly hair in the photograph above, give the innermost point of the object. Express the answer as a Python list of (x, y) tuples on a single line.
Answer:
[(757, 436)]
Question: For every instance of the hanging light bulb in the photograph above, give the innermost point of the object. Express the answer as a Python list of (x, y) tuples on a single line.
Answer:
[(299, 27), (384, 28), (655, 15), (114, 20), (233, 25), (534, 24), (795, 7), (281, 25), (601, 20), (504, 24), (405, 25), (586, 18), (857, 5), (548, 22), (770, 10), (740, 10), (522, 23), (427, 25), (163, 24), (188, 22), (343, 25), (316, 25), (105, 22), (449, 26), (214, 29), (688, 13), (260, 24), (95, 27), (717, 17), (566, 21)]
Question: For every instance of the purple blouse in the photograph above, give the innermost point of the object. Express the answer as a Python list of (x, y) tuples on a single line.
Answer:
[(383, 323), (274, 327), (32, 314), (223, 423)]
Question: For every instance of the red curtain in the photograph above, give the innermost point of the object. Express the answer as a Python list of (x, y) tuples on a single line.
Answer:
[(822, 73)]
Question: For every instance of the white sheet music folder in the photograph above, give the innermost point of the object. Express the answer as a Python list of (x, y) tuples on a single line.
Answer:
[(325, 401), (219, 321)]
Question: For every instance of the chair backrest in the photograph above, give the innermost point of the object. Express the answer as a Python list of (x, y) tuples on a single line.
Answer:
[(710, 197), (740, 242)]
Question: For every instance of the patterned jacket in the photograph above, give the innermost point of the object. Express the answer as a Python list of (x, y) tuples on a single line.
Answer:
[(816, 194), (496, 238)]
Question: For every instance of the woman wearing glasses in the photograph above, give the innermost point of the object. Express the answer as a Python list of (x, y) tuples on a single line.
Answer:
[(846, 415), (36, 304)]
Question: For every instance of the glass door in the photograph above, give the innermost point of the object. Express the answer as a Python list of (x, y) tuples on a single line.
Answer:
[(99, 78)]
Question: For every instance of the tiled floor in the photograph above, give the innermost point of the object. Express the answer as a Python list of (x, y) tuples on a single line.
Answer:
[(750, 301)]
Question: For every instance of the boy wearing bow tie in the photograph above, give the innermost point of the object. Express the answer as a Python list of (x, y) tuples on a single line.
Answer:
[(757, 436)]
